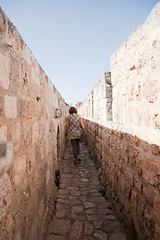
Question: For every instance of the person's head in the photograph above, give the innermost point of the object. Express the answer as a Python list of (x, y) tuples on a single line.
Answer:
[(72, 110)]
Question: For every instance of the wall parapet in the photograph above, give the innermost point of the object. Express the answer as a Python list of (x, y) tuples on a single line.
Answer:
[(129, 170)]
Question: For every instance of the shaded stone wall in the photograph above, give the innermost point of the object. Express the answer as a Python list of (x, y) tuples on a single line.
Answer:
[(127, 147), (129, 170), (32, 139)]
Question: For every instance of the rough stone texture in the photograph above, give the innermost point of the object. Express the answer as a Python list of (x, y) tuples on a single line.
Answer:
[(81, 210), (6, 157), (127, 150), (135, 79), (127, 147), (10, 106), (31, 150), (129, 100), (131, 174), (98, 105)]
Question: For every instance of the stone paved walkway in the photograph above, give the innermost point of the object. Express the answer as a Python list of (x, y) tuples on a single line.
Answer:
[(81, 211)]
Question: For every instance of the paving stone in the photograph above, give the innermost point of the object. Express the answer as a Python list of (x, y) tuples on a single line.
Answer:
[(55, 237), (88, 228), (98, 224), (109, 226), (88, 238), (101, 235), (75, 193), (76, 216), (62, 196), (77, 209), (59, 226), (65, 201), (105, 211), (60, 214), (119, 236), (81, 211), (93, 217), (89, 204), (61, 207), (76, 230), (110, 217), (91, 211)]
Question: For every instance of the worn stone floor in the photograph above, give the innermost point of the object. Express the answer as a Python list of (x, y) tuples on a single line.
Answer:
[(81, 211)]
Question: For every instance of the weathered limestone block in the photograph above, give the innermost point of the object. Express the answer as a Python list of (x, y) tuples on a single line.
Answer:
[(5, 194), (155, 149), (157, 232), (145, 146), (24, 83), (3, 133), (134, 199), (149, 223), (156, 204), (132, 152), (1, 105), (15, 134), (14, 73), (150, 89), (3, 25), (14, 39), (26, 133), (6, 157), (137, 225), (148, 193), (30, 162), (138, 184), (10, 106), (35, 132), (27, 108), (151, 171), (19, 168), (35, 73), (6, 221), (5, 69), (22, 105), (139, 163)]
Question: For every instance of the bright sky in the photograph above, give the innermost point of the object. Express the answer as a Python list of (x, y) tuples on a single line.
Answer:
[(73, 40)]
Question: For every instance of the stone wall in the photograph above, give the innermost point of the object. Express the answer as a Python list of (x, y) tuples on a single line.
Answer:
[(135, 79), (129, 170), (127, 148), (98, 105), (32, 139)]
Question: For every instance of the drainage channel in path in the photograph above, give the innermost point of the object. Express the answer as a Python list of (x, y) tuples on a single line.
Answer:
[(81, 211)]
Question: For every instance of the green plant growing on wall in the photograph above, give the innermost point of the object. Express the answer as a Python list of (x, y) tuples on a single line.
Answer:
[(38, 98)]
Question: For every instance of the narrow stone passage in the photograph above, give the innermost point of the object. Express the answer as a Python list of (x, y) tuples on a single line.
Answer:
[(81, 211)]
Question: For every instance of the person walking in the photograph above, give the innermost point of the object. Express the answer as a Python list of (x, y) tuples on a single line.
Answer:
[(74, 124)]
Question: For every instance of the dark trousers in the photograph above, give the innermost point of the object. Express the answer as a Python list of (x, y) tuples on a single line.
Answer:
[(75, 147)]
